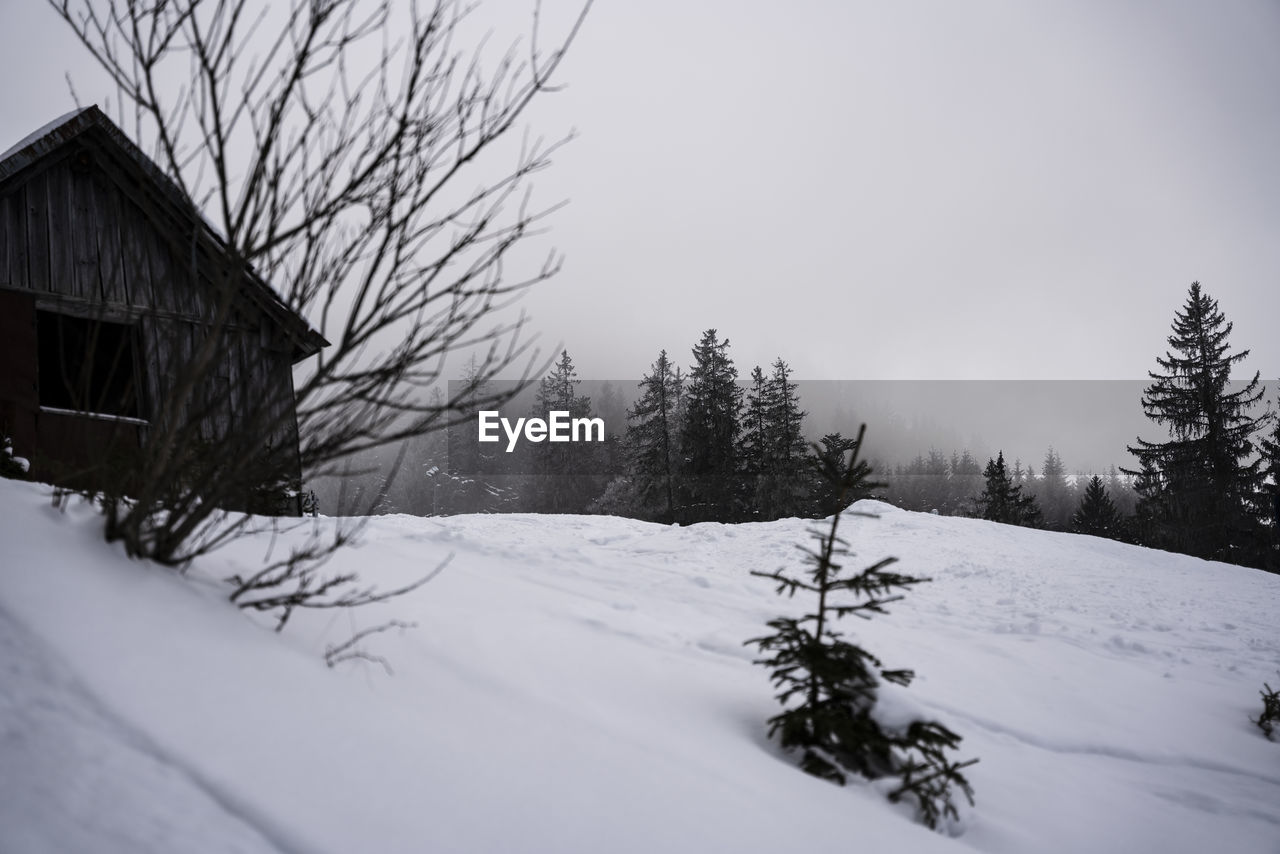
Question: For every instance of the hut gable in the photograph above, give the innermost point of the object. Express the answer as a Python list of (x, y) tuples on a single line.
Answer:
[(103, 291)]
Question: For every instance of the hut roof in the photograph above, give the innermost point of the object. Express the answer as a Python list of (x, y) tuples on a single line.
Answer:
[(92, 122)]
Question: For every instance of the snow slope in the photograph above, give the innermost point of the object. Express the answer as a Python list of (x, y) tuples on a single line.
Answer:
[(579, 684)]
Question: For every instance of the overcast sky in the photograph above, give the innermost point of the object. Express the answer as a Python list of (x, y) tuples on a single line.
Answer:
[(877, 190), (918, 190)]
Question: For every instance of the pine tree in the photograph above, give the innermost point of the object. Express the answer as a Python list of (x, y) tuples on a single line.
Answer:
[(755, 452), (566, 473), (709, 483), (1120, 488), (787, 486), (1148, 497), (828, 686), (773, 452), (1270, 499), (652, 440), (1052, 492), (1002, 501), (1269, 720), (827, 496), (1206, 501), (1097, 514)]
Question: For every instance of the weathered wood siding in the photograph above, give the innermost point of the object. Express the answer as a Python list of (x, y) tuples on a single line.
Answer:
[(81, 236)]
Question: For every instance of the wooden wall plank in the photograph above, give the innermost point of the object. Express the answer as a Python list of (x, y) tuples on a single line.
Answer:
[(279, 379), (158, 264), (111, 268), (177, 255), (153, 369), (241, 390), (62, 278), (134, 253), (37, 220), (8, 234), (84, 239), (19, 257)]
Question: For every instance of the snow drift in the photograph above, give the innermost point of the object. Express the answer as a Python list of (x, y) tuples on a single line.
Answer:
[(579, 684)]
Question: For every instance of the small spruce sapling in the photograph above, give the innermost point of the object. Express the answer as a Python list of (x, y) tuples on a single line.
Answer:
[(1270, 717), (836, 681)]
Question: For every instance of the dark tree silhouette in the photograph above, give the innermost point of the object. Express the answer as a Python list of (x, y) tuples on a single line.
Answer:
[(1270, 498), (353, 155), (1002, 501), (1096, 514), (827, 495), (828, 686), (709, 436), (1201, 485), (755, 453), (653, 436), (773, 451), (564, 476), (1268, 720)]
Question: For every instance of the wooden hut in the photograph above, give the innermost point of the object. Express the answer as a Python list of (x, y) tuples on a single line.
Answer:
[(105, 294)]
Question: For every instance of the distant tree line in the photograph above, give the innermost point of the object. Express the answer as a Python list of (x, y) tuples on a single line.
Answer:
[(957, 485), (1209, 489), (698, 444)]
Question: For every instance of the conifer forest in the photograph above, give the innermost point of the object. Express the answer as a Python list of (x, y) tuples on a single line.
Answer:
[(699, 439)]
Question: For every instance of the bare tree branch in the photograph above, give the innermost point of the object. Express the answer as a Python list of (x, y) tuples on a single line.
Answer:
[(360, 160)]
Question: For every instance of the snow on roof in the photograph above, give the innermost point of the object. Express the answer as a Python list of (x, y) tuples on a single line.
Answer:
[(42, 131)]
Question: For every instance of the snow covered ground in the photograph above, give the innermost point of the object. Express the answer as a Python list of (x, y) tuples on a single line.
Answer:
[(579, 684)]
